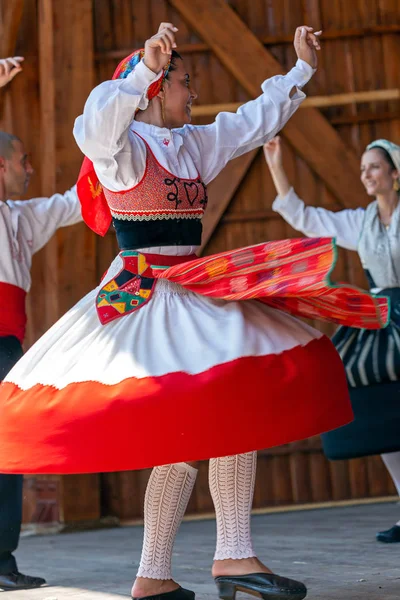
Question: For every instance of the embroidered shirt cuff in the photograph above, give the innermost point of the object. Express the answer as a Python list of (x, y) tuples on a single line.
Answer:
[(300, 74)]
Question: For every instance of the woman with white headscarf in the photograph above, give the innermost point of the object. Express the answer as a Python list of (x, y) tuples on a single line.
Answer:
[(371, 358)]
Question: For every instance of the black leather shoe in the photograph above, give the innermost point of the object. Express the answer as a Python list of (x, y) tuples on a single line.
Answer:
[(391, 536), (179, 594), (19, 581), (265, 585)]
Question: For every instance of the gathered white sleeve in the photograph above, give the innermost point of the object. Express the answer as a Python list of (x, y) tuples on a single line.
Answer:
[(256, 122), (101, 132), (344, 225), (46, 215)]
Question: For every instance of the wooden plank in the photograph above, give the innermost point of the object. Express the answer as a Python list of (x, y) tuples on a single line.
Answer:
[(206, 110), (321, 490), (221, 192), (119, 495), (73, 52), (340, 479), (268, 40), (358, 474), (254, 215), (10, 27), (281, 480), (79, 498), (47, 96), (300, 476), (365, 117), (379, 483), (201, 492), (48, 148), (391, 48), (264, 489), (251, 64)]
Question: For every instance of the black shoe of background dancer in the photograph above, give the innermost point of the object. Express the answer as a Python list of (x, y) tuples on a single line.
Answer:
[(179, 594), (390, 536), (19, 581), (266, 585)]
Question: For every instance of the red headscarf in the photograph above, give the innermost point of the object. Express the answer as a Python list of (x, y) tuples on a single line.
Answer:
[(95, 211)]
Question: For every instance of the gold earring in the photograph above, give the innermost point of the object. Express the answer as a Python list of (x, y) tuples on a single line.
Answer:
[(396, 185)]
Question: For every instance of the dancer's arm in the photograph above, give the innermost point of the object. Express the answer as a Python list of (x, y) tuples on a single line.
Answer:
[(102, 130), (344, 225), (9, 68), (234, 134), (46, 215)]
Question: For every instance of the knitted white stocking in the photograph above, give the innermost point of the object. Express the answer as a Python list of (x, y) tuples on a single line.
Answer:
[(231, 482), (167, 495)]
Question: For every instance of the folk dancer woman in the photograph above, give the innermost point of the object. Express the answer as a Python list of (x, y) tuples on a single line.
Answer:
[(371, 358), (162, 364)]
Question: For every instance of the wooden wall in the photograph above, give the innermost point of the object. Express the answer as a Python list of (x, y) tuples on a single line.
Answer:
[(88, 38)]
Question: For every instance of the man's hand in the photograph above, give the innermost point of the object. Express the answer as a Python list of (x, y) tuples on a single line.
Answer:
[(157, 49), (9, 68), (306, 44)]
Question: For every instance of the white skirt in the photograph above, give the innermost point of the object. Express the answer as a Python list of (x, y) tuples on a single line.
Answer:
[(186, 377)]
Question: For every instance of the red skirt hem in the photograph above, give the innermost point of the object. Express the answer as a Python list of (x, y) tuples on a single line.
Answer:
[(247, 404)]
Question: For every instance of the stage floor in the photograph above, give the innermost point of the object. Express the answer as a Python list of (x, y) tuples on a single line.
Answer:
[(332, 550)]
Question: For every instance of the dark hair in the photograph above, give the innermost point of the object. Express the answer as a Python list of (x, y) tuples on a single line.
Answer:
[(7, 144), (173, 66), (385, 154)]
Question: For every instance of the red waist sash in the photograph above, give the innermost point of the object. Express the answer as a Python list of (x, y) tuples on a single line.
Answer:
[(291, 275), (12, 311)]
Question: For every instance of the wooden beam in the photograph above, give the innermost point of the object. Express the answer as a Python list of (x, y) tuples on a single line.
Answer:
[(10, 27), (250, 63), (267, 40), (221, 192), (351, 98), (207, 110), (48, 147), (368, 117), (250, 216), (73, 54), (120, 54)]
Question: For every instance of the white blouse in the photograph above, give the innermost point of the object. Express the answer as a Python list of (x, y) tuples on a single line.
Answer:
[(344, 225), (105, 131), (26, 226)]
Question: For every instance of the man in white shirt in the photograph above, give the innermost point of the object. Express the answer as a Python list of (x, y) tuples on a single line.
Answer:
[(25, 227)]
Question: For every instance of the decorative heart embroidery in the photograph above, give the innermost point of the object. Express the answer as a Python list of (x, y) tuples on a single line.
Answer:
[(190, 195)]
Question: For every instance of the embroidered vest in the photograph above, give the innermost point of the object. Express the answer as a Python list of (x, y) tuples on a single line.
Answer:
[(161, 210)]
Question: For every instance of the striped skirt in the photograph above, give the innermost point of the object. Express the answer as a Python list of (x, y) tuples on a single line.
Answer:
[(372, 363)]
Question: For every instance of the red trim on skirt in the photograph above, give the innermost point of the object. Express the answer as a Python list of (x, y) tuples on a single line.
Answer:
[(247, 404)]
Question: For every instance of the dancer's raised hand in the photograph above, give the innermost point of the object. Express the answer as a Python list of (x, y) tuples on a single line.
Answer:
[(158, 48), (9, 68), (273, 157), (273, 152), (306, 44)]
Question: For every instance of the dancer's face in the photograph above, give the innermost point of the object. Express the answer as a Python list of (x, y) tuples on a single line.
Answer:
[(377, 175), (178, 95), (16, 171)]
